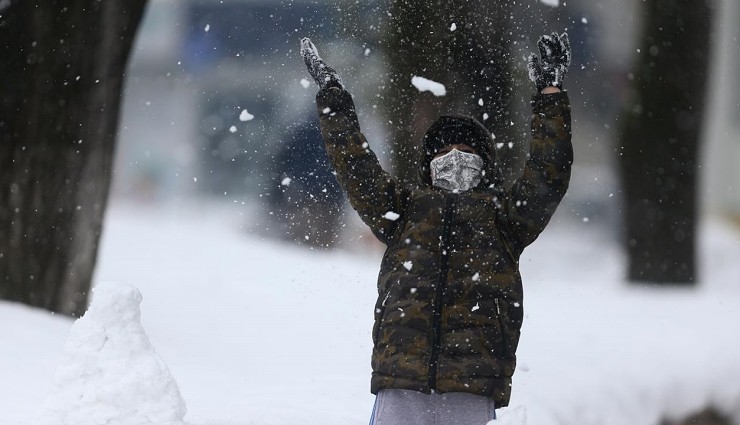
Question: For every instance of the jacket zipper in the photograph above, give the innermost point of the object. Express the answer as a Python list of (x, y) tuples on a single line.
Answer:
[(440, 289)]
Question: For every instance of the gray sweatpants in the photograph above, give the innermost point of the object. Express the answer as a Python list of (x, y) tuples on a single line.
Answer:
[(405, 407)]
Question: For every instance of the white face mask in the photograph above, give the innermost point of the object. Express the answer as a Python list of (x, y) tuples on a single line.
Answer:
[(456, 171)]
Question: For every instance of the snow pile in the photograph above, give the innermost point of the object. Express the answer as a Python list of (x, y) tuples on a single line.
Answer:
[(110, 373), (423, 84), (510, 416), (284, 335)]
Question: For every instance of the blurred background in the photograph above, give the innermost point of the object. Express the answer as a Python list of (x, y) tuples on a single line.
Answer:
[(218, 112), (197, 65)]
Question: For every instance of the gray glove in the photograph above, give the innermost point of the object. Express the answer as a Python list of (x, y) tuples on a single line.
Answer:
[(555, 54), (323, 74)]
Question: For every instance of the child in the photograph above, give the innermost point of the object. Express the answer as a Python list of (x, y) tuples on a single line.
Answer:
[(449, 308)]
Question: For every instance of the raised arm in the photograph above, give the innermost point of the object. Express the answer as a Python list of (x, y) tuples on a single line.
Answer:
[(533, 198), (372, 192)]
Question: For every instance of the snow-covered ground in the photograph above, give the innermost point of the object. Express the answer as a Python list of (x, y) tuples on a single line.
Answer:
[(257, 332)]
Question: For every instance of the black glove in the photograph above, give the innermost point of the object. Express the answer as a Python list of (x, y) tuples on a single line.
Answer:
[(323, 74), (555, 53)]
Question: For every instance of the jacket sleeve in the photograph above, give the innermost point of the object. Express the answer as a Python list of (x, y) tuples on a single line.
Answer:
[(372, 192), (533, 198)]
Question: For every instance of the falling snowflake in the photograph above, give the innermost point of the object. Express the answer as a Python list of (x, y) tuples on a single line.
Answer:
[(390, 215), (423, 84), (245, 116)]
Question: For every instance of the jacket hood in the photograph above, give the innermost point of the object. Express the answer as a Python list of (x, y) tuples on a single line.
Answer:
[(459, 129)]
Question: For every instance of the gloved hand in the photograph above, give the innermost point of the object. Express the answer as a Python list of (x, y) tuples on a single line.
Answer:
[(323, 74), (555, 53)]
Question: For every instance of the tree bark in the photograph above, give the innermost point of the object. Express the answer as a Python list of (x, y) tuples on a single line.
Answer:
[(659, 141), (61, 86), (472, 61)]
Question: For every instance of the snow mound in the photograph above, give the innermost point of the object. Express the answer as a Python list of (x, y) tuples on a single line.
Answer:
[(510, 416), (110, 373), (423, 84)]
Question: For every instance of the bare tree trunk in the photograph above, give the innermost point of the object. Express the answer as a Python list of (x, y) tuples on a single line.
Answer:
[(63, 67), (660, 139), (472, 60)]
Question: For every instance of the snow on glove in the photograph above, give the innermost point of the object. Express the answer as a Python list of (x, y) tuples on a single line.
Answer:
[(323, 74), (554, 63)]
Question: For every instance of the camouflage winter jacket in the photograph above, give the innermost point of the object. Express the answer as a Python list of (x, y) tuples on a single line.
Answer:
[(449, 308)]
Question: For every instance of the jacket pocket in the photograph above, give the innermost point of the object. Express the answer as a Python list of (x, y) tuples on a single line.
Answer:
[(509, 320), (379, 314), (501, 327)]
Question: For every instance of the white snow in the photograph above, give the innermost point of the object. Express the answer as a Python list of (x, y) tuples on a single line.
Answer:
[(257, 332), (305, 83), (551, 3), (514, 416), (110, 373), (286, 181), (245, 116), (232, 129), (408, 265), (390, 215), (207, 28), (453, 27), (422, 84)]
